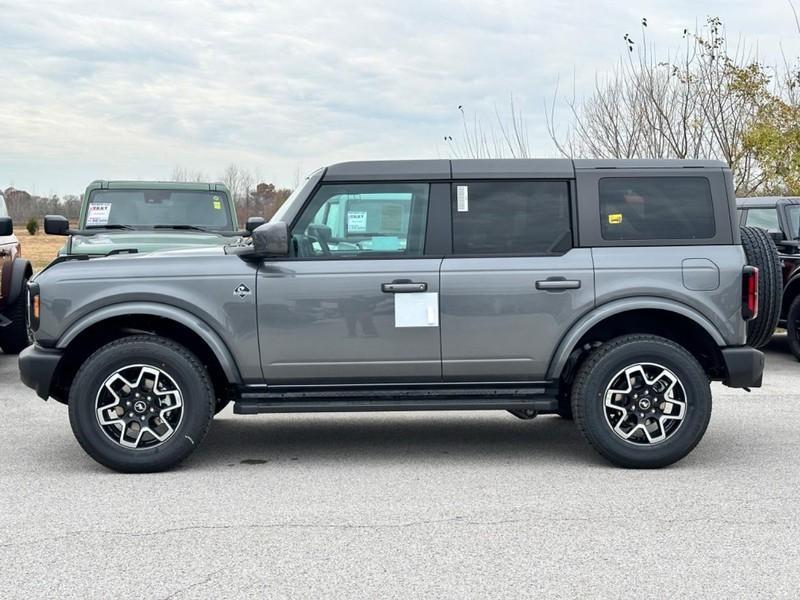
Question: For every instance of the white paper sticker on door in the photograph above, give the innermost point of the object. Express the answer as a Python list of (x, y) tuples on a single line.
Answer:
[(416, 310), (357, 222), (98, 213)]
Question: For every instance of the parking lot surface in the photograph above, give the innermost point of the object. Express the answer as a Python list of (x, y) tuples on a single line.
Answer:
[(476, 504)]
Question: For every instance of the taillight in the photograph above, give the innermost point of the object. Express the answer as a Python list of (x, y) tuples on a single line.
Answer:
[(34, 306), (749, 293)]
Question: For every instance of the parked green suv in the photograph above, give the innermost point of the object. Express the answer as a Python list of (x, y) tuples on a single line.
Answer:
[(146, 216)]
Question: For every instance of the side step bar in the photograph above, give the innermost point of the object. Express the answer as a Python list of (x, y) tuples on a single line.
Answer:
[(539, 398)]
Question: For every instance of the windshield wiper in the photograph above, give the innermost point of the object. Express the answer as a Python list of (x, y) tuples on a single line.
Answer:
[(185, 227), (112, 226)]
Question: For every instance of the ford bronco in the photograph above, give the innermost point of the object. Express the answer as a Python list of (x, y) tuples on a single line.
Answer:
[(608, 292), (14, 275)]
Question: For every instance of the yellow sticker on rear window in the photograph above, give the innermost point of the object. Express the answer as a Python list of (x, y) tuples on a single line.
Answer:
[(615, 219)]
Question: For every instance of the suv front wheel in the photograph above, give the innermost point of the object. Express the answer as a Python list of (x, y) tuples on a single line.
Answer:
[(641, 401), (141, 404)]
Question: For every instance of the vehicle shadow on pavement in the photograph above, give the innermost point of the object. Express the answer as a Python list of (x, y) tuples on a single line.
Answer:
[(392, 438)]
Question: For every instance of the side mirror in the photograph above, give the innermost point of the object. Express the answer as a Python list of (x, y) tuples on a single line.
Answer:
[(6, 226), (253, 223), (56, 225), (271, 239)]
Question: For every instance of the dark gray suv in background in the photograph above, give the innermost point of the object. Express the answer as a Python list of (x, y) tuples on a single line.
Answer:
[(611, 292)]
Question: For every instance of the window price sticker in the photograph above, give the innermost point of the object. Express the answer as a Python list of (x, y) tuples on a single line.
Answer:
[(98, 213)]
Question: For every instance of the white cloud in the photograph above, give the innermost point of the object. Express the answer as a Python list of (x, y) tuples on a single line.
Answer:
[(130, 89)]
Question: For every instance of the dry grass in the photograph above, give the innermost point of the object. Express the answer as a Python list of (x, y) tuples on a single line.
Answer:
[(40, 249)]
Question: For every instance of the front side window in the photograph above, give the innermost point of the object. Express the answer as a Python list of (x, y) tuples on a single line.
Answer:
[(145, 209), (3, 209), (511, 217), (656, 208), (765, 218), (363, 219)]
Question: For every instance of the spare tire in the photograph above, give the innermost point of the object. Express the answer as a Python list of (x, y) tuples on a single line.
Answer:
[(762, 253)]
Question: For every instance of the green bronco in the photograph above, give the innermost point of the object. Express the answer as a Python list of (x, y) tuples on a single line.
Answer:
[(119, 217)]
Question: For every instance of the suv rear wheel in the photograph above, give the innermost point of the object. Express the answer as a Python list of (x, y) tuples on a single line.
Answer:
[(641, 401), (141, 404)]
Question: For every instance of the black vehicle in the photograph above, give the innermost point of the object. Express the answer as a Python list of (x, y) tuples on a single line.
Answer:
[(14, 275)]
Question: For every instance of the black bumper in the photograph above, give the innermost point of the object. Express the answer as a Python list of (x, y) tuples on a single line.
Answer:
[(37, 367), (744, 367)]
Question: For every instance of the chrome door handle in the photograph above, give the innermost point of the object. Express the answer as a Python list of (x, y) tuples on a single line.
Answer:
[(554, 284), (404, 286)]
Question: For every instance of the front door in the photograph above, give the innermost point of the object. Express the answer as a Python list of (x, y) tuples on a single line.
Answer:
[(514, 284), (358, 300)]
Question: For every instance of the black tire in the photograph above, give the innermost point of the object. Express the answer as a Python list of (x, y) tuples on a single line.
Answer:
[(599, 370), (793, 327), (14, 338), (177, 363), (761, 252)]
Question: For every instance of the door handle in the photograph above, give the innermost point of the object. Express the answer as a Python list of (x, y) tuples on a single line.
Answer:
[(404, 286), (554, 284)]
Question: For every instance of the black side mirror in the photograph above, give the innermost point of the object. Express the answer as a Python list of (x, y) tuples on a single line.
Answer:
[(271, 239), (6, 226), (253, 223), (56, 225)]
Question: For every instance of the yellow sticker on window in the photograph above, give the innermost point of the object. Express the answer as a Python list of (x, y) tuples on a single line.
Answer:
[(216, 202), (615, 219)]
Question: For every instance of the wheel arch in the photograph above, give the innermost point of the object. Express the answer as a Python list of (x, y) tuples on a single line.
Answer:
[(83, 337), (669, 319)]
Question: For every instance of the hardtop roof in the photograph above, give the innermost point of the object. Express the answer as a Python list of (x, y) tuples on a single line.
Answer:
[(495, 168), (103, 184)]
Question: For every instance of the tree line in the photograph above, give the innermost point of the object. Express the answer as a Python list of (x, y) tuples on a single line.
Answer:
[(252, 198)]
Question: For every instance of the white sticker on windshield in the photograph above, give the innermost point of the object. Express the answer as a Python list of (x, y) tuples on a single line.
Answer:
[(356, 222), (462, 198), (98, 213)]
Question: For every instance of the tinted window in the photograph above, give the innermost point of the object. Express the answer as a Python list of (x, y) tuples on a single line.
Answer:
[(363, 219), (3, 210), (766, 218), (656, 208), (146, 208), (525, 217)]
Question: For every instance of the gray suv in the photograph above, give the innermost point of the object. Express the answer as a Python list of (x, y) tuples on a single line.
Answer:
[(608, 292)]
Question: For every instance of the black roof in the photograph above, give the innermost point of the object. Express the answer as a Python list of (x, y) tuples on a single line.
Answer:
[(494, 168)]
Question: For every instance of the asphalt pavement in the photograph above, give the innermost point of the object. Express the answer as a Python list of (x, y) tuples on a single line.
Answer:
[(403, 505)]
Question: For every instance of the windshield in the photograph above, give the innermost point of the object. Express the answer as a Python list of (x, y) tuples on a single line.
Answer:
[(793, 214), (3, 210), (144, 209)]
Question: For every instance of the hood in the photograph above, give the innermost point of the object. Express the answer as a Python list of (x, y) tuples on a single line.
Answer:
[(146, 241)]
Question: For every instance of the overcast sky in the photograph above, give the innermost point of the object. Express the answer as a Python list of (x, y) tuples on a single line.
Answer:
[(112, 90)]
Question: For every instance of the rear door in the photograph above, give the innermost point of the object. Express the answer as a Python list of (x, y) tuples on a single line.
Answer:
[(514, 282)]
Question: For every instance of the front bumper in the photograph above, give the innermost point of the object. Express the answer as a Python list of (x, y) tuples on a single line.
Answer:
[(37, 367), (744, 367)]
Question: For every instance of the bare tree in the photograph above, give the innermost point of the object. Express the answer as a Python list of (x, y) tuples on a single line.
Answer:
[(697, 102), (180, 173), (506, 137)]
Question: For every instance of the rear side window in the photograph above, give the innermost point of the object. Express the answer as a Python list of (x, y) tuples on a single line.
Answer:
[(766, 218), (502, 217), (656, 208)]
